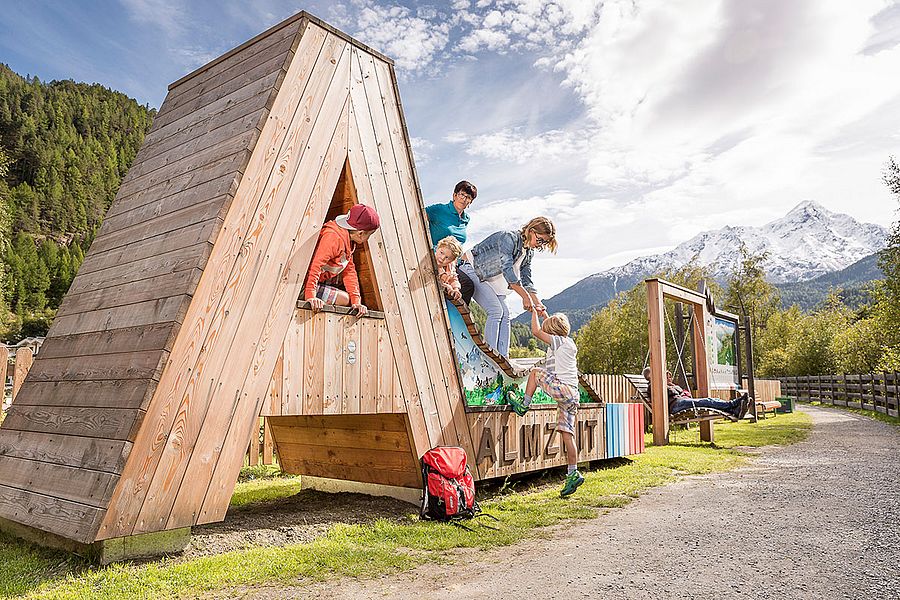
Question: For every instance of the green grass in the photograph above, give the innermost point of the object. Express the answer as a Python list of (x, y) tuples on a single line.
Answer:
[(388, 546), (878, 416)]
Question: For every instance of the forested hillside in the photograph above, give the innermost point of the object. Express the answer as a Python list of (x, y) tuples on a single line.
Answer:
[(64, 148)]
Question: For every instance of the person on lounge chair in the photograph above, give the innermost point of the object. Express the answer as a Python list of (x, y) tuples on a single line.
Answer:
[(680, 399)]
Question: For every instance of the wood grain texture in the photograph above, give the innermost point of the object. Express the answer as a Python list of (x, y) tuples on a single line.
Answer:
[(389, 271), (77, 484), (161, 226), (369, 448), (23, 364), (507, 444), (191, 257), (127, 365), (400, 253), (298, 250), (83, 452), (69, 519), (147, 290), (105, 423), (270, 280), (295, 358), (136, 339), (149, 312), (218, 177), (427, 298), (333, 364), (110, 393), (197, 332)]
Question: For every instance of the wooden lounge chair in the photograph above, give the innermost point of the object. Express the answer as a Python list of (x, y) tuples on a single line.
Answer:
[(691, 415)]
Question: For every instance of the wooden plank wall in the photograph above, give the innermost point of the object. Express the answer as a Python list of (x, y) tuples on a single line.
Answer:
[(383, 173), (321, 377), (207, 403), (369, 448), (89, 392)]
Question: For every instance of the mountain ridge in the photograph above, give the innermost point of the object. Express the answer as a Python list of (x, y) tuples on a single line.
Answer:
[(807, 242)]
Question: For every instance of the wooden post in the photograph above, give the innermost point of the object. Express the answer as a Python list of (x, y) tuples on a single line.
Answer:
[(268, 446), (657, 338), (701, 367), (254, 446), (4, 366), (751, 384), (24, 359)]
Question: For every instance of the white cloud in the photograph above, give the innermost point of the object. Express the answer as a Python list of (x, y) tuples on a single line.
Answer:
[(412, 40), (422, 149), (512, 146)]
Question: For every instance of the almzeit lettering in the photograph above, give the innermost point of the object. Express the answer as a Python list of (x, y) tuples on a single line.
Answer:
[(533, 441)]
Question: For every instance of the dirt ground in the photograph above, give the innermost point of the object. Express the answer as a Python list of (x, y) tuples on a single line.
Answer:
[(296, 519), (819, 519)]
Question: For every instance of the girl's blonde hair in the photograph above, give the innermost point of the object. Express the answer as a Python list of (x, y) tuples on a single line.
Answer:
[(543, 226), (556, 324), (452, 244)]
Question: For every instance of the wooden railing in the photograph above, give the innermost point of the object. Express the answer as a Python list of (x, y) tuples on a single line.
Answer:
[(872, 391)]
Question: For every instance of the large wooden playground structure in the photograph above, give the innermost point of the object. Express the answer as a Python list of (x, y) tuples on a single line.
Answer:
[(183, 325)]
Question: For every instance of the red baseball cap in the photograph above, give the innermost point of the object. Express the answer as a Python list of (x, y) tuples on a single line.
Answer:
[(361, 217)]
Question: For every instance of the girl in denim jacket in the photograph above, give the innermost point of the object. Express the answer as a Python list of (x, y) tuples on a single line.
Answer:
[(500, 263)]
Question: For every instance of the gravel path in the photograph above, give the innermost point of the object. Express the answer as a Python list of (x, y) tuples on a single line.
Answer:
[(819, 519)]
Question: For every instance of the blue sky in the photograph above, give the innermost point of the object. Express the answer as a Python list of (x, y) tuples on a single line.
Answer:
[(633, 124)]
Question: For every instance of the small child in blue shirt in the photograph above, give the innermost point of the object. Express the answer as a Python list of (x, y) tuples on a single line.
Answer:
[(558, 377)]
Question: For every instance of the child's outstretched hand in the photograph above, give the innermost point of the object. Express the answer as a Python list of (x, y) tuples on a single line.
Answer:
[(360, 309), (316, 304)]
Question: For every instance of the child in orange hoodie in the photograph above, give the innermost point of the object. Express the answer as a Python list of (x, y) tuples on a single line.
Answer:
[(332, 262)]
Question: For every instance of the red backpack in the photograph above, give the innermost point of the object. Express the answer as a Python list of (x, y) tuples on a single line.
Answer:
[(449, 492)]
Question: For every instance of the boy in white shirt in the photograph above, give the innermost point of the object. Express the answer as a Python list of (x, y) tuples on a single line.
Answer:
[(559, 379)]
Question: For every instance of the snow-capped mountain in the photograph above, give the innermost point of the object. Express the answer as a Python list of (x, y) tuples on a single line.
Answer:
[(807, 242)]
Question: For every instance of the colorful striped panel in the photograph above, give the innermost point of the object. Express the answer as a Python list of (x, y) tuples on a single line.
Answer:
[(624, 429)]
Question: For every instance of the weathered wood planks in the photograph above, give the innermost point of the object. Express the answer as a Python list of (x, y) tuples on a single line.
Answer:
[(107, 352), (373, 448), (182, 398), (347, 379)]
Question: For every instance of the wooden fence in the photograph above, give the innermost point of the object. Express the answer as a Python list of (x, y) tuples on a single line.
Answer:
[(19, 362), (873, 391), (611, 388), (262, 447), (615, 388)]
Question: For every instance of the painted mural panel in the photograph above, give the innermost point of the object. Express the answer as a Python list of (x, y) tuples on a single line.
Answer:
[(484, 382)]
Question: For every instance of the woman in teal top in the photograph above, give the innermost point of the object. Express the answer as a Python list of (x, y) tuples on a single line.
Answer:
[(452, 219)]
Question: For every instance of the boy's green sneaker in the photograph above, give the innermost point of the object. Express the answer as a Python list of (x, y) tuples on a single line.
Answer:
[(517, 405), (572, 482)]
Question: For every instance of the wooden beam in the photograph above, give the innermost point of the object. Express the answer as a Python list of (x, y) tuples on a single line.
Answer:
[(657, 337)]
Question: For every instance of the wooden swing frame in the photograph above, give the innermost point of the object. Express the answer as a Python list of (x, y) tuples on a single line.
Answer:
[(657, 291)]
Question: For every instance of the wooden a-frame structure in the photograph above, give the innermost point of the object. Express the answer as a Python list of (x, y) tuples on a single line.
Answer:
[(182, 320)]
